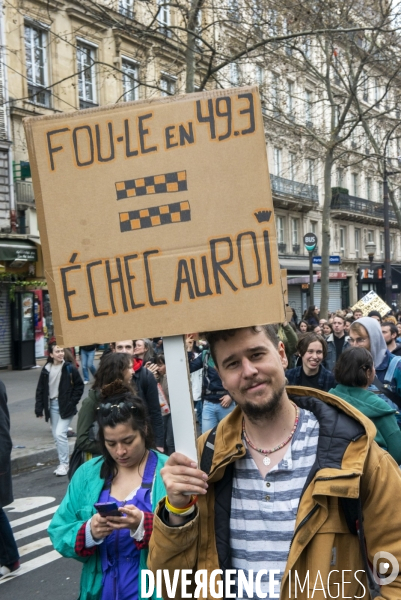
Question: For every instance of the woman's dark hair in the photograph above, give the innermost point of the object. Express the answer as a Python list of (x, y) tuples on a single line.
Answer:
[(160, 360), (299, 324), (307, 339), (120, 405), (352, 367), (328, 325), (310, 312), (112, 368), (50, 347)]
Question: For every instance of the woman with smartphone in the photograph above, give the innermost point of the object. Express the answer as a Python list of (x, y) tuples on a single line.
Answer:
[(125, 481)]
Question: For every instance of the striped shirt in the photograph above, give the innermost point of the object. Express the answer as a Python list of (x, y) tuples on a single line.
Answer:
[(263, 510)]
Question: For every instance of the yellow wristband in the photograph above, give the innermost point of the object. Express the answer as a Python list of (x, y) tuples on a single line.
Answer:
[(179, 511)]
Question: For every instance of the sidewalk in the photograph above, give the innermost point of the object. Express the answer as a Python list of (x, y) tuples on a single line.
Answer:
[(33, 434)]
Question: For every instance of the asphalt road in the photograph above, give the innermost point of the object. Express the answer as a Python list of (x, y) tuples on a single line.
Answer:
[(44, 574), (26, 430)]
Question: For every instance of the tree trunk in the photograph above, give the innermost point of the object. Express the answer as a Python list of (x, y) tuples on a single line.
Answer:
[(191, 46), (325, 244)]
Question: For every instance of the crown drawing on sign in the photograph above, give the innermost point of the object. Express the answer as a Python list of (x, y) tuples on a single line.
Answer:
[(263, 216)]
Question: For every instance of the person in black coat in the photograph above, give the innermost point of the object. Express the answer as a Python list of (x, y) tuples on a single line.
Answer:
[(146, 387), (60, 388), (9, 558)]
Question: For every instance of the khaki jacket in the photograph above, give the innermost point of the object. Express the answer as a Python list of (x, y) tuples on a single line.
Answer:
[(322, 541)]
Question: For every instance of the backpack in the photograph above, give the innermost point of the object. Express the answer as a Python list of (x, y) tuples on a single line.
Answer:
[(383, 389), (351, 507)]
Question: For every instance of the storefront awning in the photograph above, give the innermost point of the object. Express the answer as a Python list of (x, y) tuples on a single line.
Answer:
[(11, 250)]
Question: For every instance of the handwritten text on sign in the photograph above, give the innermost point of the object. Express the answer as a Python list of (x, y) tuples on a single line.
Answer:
[(99, 143)]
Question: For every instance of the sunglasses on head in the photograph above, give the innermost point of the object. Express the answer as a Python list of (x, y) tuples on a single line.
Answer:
[(106, 409)]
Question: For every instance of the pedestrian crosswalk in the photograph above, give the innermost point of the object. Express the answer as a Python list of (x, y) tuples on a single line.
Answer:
[(34, 545)]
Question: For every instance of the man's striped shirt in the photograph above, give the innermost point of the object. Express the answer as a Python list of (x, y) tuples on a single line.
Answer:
[(263, 510)]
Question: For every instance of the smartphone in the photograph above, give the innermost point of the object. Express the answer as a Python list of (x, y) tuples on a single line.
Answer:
[(107, 509)]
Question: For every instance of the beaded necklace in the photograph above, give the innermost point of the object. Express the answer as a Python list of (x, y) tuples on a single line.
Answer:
[(266, 459)]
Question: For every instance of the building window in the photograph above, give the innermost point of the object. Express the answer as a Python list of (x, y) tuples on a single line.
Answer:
[(365, 86), (308, 108), (392, 245), (287, 31), (357, 242), (355, 184), (377, 89), (310, 171), (277, 161), (381, 244), (163, 17), (295, 232), (272, 21), (380, 191), (292, 166), (126, 8), (368, 183), (342, 240), (167, 85), (340, 177), (36, 65), (307, 48), (290, 99), (130, 80), (234, 74), (313, 227), (371, 235), (233, 10), (260, 75), (398, 145), (86, 56), (275, 96), (280, 230)]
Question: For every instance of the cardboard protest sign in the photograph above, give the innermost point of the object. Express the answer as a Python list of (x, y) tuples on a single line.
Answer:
[(156, 217), (371, 302)]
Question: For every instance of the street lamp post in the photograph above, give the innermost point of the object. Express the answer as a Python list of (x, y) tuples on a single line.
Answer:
[(387, 258)]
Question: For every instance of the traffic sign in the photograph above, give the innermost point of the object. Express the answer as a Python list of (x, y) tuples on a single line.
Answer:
[(310, 241), (334, 260)]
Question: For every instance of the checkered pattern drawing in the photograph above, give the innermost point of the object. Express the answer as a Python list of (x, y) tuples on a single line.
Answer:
[(154, 184), (177, 212)]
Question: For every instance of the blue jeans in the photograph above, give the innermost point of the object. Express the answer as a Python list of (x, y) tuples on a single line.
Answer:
[(8, 547), (87, 362), (213, 413), (59, 430)]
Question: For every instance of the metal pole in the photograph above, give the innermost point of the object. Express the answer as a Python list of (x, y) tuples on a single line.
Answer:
[(387, 261), (311, 301)]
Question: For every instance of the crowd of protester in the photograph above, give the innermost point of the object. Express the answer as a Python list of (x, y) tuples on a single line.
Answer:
[(125, 434)]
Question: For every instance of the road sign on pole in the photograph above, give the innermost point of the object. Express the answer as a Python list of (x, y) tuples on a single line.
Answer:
[(310, 241)]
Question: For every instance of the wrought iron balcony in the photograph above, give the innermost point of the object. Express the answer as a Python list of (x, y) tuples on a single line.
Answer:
[(353, 208), (288, 193), (281, 247), (294, 188)]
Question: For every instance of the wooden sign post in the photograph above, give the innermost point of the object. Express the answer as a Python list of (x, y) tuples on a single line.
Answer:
[(181, 402)]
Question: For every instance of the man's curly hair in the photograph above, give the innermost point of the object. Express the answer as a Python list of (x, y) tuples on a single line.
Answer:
[(212, 337)]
